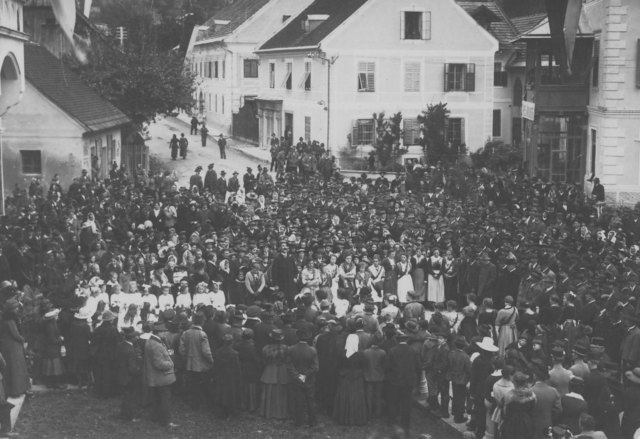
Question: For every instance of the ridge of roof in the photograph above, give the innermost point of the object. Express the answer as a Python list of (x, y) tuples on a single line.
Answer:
[(235, 13), (527, 22), (504, 30), (66, 90)]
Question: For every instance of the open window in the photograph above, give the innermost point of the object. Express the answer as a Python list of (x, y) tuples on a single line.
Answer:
[(366, 77), (415, 25), (286, 83), (306, 79)]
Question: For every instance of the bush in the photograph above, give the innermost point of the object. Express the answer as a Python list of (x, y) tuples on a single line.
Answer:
[(497, 156)]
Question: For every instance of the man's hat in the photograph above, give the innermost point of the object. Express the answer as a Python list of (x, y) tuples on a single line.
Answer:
[(210, 165), (199, 168)]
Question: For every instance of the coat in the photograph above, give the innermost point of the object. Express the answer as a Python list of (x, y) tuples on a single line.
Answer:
[(129, 361), (403, 366), (227, 377), (16, 379), (195, 350), (302, 359), (547, 408), (631, 404), (630, 349), (158, 367)]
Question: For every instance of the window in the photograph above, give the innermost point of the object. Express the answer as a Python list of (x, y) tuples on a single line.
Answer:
[(209, 101), (307, 129), (31, 162), (287, 77), (285, 18), (215, 69), (306, 80), (499, 76), (224, 68), (250, 68), (415, 25), (366, 76), (549, 68), (594, 151), (412, 77), (638, 64), (411, 132), (216, 102), (558, 156), (459, 77), (364, 132), (595, 73), (272, 75), (497, 123), (222, 104), (454, 131)]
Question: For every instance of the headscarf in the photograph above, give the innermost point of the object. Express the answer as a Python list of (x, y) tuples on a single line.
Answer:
[(351, 346)]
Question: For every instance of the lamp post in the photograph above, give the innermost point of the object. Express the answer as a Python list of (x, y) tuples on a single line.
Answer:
[(330, 61)]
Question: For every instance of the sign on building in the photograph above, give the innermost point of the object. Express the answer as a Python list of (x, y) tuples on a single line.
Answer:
[(529, 110)]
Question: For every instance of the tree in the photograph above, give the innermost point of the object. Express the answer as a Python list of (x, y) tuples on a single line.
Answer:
[(388, 133), (140, 83), (434, 121)]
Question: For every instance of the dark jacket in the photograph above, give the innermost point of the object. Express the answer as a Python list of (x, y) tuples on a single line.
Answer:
[(302, 359), (402, 366), (129, 361)]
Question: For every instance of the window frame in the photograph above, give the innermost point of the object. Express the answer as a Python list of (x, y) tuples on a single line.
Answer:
[(500, 76), (31, 168), (252, 63), (287, 82), (424, 24), (460, 121), (463, 80), (417, 89), (414, 131), (306, 83), (595, 70), (366, 77), (371, 134), (496, 126), (272, 74), (307, 129)]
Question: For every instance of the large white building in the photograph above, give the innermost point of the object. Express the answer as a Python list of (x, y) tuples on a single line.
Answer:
[(221, 54), (338, 62)]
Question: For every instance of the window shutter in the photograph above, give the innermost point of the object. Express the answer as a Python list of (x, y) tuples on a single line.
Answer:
[(638, 65), (371, 77), (462, 135), (470, 80), (446, 77), (402, 16), (354, 133), (426, 25)]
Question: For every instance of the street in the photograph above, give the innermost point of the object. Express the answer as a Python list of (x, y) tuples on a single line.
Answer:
[(164, 128)]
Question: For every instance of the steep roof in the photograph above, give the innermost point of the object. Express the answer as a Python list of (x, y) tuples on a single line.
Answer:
[(235, 13), (293, 35), (66, 90), (527, 22), (502, 28)]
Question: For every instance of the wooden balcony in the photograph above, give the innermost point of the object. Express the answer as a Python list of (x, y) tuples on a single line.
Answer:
[(566, 97)]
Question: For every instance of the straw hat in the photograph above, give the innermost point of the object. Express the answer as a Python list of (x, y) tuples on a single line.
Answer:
[(487, 345)]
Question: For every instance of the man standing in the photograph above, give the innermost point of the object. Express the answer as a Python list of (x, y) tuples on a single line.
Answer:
[(249, 181), (194, 125), (159, 375), (221, 185), (630, 350), (204, 131), (458, 373), (548, 404), (196, 180), (184, 144), (211, 179), (275, 146), (174, 145), (302, 364), (402, 375), (234, 184), (222, 145), (129, 368), (284, 272), (196, 351)]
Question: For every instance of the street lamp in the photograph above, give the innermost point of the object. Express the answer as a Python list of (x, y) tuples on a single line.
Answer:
[(322, 56)]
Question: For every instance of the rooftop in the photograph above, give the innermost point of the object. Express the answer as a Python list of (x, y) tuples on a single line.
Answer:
[(65, 89), (501, 27), (230, 18)]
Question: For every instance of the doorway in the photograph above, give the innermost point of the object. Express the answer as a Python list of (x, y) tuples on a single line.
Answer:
[(288, 127)]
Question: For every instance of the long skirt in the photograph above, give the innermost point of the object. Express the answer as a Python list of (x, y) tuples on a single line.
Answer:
[(350, 407), (435, 290), (275, 401), (506, 336), (405, 284), (419, 287), (52, 367)]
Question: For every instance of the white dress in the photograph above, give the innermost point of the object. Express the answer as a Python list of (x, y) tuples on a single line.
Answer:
[(435, 288), (405, 283)]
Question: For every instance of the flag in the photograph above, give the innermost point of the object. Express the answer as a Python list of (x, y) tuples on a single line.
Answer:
[(556, 11), (571, 23), (65, 13)]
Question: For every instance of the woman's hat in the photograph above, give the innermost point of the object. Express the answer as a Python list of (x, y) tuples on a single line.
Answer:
[(129, 332), (487, 345), (276, 334), (633, 375), (108, 316), (52, 314)]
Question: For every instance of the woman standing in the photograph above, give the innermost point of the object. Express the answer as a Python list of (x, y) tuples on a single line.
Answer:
[(16, 379), (52, 368), (506, 325), (518, 405), (78, 340), (331, 271), (350, 407), (419, 265), (275, 378), (450, 269), (435, 289), (347, 275), (405, 283), (390, 285)]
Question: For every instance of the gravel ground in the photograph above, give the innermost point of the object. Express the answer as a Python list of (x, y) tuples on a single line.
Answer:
[(78, 415)]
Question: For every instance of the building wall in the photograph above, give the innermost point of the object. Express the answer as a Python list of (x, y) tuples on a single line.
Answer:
[(503, 97), (354, 42), (614, 110), (36, 124)]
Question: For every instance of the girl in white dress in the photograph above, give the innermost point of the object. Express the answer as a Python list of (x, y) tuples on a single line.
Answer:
[(405, 283)]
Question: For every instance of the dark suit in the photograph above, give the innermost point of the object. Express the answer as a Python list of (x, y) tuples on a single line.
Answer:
[(129, 375), (547, 409), (302, 360), (402, 374), (211, 181), (196, 180)]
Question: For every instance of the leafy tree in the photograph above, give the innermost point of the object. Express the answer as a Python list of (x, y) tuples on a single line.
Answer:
[(497, 156), (140, 83), (434, 121), (388, 133)]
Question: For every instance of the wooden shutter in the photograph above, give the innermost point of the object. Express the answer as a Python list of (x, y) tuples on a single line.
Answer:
[(446, 77), (462, 133), (354, 133), (371, 76), (412, 76), (470, 79), (426, 25), (402, 16)]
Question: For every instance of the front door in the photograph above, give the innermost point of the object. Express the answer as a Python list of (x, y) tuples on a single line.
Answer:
[(288, 127)]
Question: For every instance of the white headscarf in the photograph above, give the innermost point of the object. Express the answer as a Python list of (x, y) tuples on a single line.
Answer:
[(352, 344)]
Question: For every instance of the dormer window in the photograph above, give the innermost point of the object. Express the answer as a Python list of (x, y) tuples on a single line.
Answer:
[(312, 21), (415, 25)]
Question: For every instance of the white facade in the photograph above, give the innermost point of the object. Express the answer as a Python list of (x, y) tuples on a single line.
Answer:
[(375, 68), (613, 138), (224, 81)]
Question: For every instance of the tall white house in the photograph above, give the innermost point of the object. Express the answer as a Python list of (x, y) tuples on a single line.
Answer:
[(326, 72), (221, 55), (12, 39)]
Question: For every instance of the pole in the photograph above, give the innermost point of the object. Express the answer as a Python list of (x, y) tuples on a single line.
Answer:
[(328, 104), (2, 167)]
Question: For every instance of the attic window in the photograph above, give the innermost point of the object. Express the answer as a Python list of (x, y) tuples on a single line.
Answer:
[(312, 21), (221, 22), (285, 18)]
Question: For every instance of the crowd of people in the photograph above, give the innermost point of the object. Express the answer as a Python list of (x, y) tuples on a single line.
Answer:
[(505, 302)]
